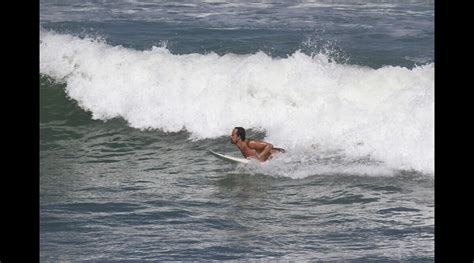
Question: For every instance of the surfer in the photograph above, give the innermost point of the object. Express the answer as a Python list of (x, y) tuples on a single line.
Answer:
[(259, 150)]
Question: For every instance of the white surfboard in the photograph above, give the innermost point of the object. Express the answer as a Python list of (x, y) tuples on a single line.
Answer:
[(229, 158)]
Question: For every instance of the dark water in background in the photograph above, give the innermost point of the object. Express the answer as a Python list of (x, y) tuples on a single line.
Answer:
[(124, 134), (372, 33)]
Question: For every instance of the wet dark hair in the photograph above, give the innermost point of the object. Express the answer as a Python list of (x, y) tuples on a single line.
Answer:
[(240, 132)]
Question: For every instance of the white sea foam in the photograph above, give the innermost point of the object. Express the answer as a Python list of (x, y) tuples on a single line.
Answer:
[(301, 102)]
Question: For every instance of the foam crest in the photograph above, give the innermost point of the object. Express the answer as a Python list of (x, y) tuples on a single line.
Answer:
[(301, 102), (301, 163)]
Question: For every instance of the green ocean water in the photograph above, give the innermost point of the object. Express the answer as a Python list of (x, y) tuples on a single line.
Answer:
[(111, 192)]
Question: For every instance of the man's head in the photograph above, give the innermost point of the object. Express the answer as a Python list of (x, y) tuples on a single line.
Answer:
[(238, 133)]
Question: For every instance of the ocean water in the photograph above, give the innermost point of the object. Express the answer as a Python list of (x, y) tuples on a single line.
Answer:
[(133, 94)]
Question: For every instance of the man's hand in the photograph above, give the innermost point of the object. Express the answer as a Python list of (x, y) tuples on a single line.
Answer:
[(263, 156)]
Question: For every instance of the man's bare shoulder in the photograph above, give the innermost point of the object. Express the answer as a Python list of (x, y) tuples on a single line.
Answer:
[(256, 143)]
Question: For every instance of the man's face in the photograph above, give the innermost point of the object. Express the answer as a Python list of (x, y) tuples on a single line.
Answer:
[(234, 138)]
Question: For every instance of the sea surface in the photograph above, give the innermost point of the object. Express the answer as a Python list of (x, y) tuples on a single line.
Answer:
[(133, 94)]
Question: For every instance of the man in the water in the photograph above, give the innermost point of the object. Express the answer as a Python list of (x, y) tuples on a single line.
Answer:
[(259, 150)]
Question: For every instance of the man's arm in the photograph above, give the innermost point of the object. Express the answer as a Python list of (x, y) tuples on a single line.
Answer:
[(263, 149)]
